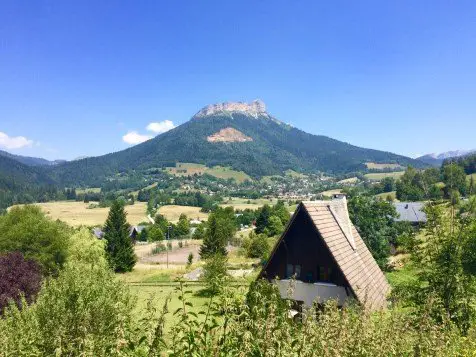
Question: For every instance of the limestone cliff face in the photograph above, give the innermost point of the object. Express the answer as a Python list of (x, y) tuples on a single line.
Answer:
[(253, 109)]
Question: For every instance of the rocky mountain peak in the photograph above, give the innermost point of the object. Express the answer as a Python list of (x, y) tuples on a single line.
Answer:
[(255, 108)]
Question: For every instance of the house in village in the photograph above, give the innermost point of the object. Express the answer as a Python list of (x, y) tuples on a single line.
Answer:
[(324, 253), (134, 231), (411, 212)]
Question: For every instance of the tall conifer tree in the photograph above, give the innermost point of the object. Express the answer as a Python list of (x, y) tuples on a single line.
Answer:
[(119, 248)]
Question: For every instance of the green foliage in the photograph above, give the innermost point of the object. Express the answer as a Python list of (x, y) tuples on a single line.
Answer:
[(119, 248), (275, 226), (454, 178), (220, 229), (256, 246), (263, 219), (417, 185), (446, 262), (85, 311), (215, 273), (183, 226), (190, 259), (155, 233), (199, 232), (27, 230), (85, 249), (374, 220)]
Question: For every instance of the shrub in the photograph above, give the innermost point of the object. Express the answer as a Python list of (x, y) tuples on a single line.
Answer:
[(190, 259), (18, 277), (85, 311), (159, 248), (27, 230), (169, 245), (215, 273), (180, 244), (257, 246)]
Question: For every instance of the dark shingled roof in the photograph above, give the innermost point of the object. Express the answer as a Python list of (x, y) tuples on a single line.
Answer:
[(410, 212)]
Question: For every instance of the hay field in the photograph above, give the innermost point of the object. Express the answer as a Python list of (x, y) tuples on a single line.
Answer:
[(375, 166), (173, 212), (329, 193), (380, 176), (227, 173), (348, 181), (78, 213)]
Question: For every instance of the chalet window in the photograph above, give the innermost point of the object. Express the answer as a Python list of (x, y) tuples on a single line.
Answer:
[(293, 270), (324, 273)]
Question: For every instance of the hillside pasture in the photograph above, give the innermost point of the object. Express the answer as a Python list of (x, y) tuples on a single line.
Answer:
[(173, 212), (348, 181), (294, 174), (227, 173), (80, 191), (78, 213), (381, 175), (330, 193), (375, 166), (186, 169)]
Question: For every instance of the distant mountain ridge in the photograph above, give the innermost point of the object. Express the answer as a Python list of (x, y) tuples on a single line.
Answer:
[(437, 159), (31, 161), (242, 136)]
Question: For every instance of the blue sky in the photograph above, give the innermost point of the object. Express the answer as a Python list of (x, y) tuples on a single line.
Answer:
[(77, 76)]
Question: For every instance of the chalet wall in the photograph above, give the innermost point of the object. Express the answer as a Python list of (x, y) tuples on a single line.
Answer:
[(302, 246)]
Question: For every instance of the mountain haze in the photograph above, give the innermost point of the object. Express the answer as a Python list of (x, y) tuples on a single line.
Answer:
[(239, 135)]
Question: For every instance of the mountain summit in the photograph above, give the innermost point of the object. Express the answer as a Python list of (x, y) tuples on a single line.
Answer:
[(239, 135), (254, 109)]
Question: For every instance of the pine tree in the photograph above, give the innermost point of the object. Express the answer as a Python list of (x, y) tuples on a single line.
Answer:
[(119, 248), (220, 229)]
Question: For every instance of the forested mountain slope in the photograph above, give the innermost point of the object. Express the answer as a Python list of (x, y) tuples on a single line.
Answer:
[(242, 136)]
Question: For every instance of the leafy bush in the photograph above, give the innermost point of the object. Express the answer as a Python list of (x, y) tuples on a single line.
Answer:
[(85, 311), (215, 273), (257, 246), (18, 277), (28, 231), (159, 248)]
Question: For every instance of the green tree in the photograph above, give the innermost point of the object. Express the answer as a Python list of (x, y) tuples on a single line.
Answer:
[(446, 260), (275, 226), (374, 220), (257, 246), (199, 232), (155, 234), (220, 229), (279, 210), (183, 226), (410, 187), (263, 218), (27, 230), (454, 178), (215, 273), (119, 248)]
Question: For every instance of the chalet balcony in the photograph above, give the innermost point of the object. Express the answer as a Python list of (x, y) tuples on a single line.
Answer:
[(309, 293)]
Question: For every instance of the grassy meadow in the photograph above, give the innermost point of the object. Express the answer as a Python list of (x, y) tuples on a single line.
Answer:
[(375, 166), (381, 175), (78, 213), (173, 212), (189, 169)]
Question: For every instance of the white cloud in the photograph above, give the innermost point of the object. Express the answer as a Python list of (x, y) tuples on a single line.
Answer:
[(133, 137), (161, 126), (14, 142)]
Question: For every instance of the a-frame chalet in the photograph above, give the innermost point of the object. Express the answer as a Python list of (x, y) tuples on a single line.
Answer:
[(328, 259)]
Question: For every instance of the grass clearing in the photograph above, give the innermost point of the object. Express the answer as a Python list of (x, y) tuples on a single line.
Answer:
[(80, 191), (173, 212), (330, 193), (227, 173), (382, 175), (405, 275), (294, 174), (186, 169), (348, 181), (375, 166), (78, 213), (471, 175), (384, 195)]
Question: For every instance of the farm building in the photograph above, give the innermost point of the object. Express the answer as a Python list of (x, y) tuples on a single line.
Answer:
[(325, 254), (133, 232), (410, 212)]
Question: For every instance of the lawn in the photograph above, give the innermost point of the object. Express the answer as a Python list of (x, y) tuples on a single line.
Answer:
[(78, 213), (80, 191), (348, 181), (173, 212), (375, 166), (329, 193), (227, 173), (382, 175), (294, 174), (384, 195)]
